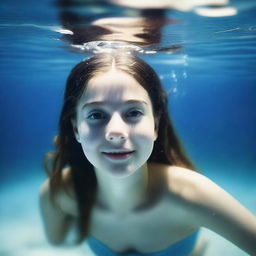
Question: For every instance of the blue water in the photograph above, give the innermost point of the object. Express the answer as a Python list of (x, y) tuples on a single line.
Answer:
[(212, 90)]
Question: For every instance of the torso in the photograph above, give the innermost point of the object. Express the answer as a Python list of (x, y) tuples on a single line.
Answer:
[(160, 224), (150, 230)]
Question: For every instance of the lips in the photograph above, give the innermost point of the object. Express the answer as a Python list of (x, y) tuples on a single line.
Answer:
[(118, 155)]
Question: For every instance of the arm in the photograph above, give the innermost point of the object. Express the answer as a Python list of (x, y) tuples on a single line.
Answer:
[(56, 220), (217, 210)]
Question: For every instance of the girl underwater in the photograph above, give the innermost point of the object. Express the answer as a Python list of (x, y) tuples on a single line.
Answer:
[(120, 175)]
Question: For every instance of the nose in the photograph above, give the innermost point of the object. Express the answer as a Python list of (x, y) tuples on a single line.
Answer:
[(116, 129), (115, 137)]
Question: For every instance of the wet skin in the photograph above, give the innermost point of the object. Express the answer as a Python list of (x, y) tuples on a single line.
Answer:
[(115, 124)]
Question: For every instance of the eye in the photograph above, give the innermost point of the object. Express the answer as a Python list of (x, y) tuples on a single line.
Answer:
[(134, 114), (97, 116)]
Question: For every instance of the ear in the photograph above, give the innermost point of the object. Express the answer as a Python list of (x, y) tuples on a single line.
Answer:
[(73, 121), (157, 120)]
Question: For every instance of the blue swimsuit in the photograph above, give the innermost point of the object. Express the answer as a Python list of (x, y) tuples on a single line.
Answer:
[(181, 248)]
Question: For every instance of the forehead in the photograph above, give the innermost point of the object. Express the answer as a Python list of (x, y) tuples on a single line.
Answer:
[(114, 86)]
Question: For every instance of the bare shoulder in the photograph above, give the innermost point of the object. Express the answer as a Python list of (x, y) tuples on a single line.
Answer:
[(212, 207), (65, 199), (195, 187), (186, 183), (181, 182)]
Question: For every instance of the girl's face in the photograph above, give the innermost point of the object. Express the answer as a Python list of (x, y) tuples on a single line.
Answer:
[(115, 123)]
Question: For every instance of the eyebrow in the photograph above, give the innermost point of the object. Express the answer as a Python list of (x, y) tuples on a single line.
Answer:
[(96, 103)]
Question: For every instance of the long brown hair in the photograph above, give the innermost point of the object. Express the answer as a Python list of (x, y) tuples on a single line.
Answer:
[(167, 148)]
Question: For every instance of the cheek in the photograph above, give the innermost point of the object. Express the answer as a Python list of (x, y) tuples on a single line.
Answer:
[(83, 130), (146, 130), (144, 145), (144, 137), (90, 140), (145, 141), (87, 134)]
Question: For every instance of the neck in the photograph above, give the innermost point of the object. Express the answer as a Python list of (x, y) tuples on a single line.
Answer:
[(123, 195)]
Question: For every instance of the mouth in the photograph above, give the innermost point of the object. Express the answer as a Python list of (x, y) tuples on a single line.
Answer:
[(118, 155)]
